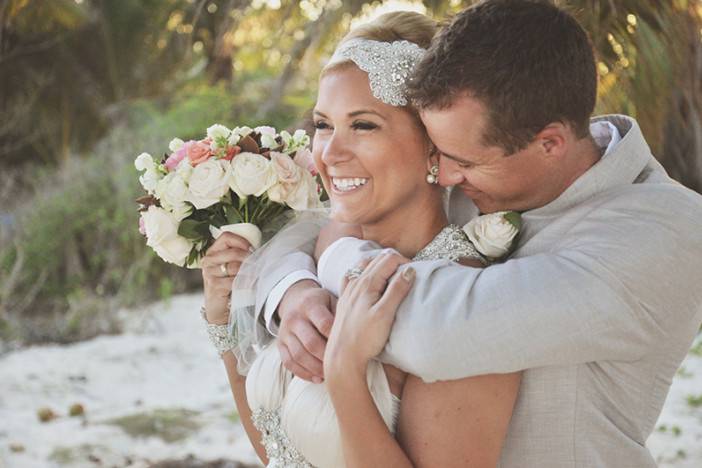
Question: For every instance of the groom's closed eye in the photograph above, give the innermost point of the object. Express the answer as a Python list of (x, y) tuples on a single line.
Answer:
[(460, 162)]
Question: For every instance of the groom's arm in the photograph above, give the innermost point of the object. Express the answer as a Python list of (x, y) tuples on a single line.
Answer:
[(295, 307), (609, 290)]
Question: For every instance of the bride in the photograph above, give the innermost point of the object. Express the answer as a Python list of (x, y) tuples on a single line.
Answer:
[(377, 165)]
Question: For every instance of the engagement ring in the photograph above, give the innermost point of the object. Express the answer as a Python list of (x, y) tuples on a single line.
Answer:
[(353, 273), (223, 269)]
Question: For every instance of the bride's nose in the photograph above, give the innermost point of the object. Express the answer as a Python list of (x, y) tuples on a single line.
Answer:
[(337, 149)]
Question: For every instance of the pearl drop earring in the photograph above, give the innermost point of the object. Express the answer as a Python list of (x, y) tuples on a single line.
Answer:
[(432, 175)]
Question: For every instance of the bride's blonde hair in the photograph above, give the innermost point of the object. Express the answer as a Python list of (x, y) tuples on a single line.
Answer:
[(389, 27)]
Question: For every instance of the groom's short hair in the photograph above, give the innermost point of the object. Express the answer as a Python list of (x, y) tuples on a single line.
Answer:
[(527, 61)]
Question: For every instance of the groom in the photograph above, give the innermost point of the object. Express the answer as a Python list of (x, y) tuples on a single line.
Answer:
[(600, 301)]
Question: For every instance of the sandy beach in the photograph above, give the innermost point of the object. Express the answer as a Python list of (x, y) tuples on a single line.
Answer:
[(159, 392)]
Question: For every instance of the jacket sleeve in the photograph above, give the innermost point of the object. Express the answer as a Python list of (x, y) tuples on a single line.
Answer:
[(610, 289)]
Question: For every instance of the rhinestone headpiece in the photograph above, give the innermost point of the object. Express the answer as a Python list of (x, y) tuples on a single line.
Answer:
[(388, 64)]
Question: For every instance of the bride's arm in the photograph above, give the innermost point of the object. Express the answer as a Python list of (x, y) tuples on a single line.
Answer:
[(455, 423), (238, 386), (361, 326), (228, 250)]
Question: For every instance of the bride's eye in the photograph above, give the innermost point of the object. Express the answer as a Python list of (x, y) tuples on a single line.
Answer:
[(362, 125), (321, 125)]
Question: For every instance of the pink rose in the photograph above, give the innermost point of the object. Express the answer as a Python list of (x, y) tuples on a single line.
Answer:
[(231, 152), (304, 159), (198, 151), (175, 159)]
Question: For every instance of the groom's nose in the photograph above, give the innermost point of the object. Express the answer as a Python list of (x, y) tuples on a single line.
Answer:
[(449, 173)]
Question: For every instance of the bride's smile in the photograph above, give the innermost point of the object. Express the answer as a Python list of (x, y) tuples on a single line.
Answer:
[(372, 156)]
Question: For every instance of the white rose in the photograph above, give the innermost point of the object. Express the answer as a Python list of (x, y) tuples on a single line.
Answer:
[(491, 234), (303, 195), (184, 170), (144, 162), (267, 136), (251, 174), (288, 173), (208, 183), (218, 131), (172, 192), (162, 236), (237, 134), (149, 180), (175, 144)]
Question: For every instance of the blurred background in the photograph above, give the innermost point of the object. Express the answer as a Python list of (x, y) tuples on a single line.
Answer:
[(87, 85)]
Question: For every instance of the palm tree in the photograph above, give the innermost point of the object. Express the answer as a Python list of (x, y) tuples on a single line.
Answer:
[(650, 64)]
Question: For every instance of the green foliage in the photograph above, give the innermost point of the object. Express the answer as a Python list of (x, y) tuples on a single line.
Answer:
[(694, 400)]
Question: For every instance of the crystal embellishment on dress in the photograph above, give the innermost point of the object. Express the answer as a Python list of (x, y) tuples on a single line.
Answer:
[(281, 452), (450, 244), (389, 65)]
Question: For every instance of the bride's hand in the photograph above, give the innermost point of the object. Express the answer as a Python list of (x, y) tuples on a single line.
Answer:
[(365, 314), (220, 266)]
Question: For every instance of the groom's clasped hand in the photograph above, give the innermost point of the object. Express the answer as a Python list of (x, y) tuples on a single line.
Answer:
[(306, 314)]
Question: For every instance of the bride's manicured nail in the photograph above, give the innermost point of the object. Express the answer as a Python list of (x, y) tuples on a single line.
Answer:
[(316, 380), (408, 274)]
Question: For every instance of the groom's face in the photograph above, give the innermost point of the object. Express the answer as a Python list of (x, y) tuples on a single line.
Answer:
[(493, 180)]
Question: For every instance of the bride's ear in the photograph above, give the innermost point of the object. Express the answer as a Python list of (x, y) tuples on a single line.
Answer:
[(433, 159)]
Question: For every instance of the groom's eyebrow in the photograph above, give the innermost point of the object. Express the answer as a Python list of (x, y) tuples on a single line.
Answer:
[(454, 158)]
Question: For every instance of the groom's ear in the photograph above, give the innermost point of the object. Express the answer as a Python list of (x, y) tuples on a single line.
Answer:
[(554, 139)]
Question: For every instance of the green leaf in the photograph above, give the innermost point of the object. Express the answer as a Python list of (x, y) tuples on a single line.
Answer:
[(192, 256), (232, 214), (514, 218), (193, 230)]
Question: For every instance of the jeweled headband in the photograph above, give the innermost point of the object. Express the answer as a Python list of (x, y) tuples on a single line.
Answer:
[(388, 64)]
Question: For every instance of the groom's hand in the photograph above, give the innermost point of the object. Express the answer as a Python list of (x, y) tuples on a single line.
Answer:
[(306, 319)]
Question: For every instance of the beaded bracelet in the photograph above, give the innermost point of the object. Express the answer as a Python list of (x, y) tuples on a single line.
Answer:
[(219, 335)]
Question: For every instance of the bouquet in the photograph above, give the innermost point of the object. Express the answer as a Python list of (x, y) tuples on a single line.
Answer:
[(235, 180)]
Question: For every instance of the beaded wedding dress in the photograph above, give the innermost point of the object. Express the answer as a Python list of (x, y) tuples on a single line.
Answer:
[(296, 417)]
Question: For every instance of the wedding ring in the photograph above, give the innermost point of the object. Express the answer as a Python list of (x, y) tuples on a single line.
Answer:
[(223, 269), (353, 273)]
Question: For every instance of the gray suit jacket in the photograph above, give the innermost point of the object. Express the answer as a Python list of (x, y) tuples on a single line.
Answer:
[(599, 304)]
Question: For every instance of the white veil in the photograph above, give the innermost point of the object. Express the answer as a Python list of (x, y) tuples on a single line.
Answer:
[(299, 232)]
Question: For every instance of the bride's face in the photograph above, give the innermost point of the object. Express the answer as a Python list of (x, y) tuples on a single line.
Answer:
[(372, 156)]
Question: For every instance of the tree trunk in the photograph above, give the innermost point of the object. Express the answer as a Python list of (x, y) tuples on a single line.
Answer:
[(314, 30), (220, 67)]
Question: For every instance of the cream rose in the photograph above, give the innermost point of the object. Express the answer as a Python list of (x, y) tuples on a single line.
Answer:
[(303, 195), (289, 174), (491, 234), (251, 174), (162, 235), (172, 192), (208, 183)]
